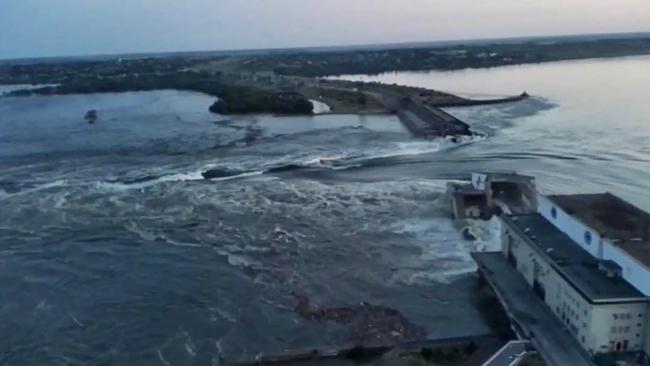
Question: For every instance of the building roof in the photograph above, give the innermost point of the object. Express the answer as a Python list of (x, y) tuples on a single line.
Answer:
[(573, 263), (465, 189), (625, 225), (509, 176)]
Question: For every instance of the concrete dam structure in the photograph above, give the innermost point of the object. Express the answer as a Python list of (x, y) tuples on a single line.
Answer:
[(425, 121)]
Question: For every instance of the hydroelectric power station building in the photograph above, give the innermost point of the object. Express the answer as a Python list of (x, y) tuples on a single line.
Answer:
[(588, 258), (573, 271)]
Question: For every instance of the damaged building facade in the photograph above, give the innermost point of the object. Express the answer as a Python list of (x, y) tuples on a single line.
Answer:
[(588, 258), (490, 193)]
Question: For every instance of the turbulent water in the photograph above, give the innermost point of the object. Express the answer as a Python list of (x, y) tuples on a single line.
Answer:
[(115, 250)]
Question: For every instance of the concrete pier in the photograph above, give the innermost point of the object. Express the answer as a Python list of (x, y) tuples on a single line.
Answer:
[(462, 102)]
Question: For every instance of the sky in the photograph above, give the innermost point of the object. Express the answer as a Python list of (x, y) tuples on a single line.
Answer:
[(43, 28)]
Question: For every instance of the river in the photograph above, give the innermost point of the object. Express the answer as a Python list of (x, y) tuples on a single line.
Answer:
[(587, 128), (114, 249)]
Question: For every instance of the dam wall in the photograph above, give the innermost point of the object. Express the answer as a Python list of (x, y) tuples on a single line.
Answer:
[(425, 121)]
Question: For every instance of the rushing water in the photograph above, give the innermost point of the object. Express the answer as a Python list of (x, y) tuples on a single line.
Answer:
[(586, 129), (115, 250)]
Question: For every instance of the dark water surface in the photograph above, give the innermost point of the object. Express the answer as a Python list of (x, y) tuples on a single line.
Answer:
[(114, 249)]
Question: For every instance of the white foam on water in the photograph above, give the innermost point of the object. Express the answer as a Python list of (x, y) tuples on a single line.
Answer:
[(407, 148), (162, 358), (239, 260), (221, 314), (146, 235), (319, 107), (54, 184), (177, 243), (196, 175), (238, 176), (178, 177), (445, 253), (190, 347), (143, 234), (411, 148)]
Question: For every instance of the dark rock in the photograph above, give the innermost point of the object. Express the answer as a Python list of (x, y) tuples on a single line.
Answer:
[(91, 116), (285, 168), (220, 173), (468, 234)]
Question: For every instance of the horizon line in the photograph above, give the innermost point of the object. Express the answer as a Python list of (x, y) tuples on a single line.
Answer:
[(327, 48)]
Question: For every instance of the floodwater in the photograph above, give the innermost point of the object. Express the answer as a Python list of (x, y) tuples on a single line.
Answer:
[(115, 250), (587, 129)]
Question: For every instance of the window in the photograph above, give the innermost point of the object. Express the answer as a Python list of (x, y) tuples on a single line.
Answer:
[(615, 316), (588, 237), (554, 212)]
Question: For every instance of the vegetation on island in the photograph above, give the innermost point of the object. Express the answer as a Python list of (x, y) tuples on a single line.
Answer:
[(282, 82), (233, 99)]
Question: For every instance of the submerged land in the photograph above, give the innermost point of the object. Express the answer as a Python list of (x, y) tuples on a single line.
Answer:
[(284, 81)]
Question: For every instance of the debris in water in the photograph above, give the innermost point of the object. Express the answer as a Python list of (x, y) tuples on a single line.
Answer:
[(368, 324)]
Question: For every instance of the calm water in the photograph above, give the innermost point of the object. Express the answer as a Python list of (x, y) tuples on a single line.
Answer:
[(587, 129), (114, 250)]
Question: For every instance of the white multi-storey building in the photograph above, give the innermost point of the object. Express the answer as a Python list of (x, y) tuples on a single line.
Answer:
[(608, 228), (588, 258)]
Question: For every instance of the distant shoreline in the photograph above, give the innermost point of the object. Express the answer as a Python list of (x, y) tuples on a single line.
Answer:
[(328, 48), (285, 83)]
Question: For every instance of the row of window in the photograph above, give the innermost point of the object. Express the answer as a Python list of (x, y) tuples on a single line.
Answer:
[(620, 329), (615, 346), (624, 316)]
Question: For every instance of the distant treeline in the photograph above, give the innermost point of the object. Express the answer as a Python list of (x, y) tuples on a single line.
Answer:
[(445, 58), (233, 99)]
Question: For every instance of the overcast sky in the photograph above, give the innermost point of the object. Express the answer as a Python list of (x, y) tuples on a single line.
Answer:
[(30, 28)]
